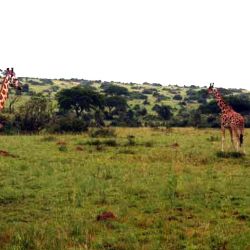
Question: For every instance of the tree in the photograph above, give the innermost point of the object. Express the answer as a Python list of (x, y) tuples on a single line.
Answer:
[(177, 97), (163, 111), (79, 99), (112, 89), (116, 103), (209, 108), (240, 103), (25, 88), (35, 114), (140, 111), (195, 118)]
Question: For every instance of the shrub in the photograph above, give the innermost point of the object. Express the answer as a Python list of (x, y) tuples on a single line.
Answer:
[(68, 123), (102, 132), (177, 97), (110, 142), (137, 95), (35, 114), (93, 142), (63, 148)]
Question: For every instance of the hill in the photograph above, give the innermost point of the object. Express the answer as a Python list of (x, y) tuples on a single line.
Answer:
[(148, 104)]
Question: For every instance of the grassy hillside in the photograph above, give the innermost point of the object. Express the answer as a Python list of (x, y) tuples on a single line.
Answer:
[(165, 188), (155, 93)]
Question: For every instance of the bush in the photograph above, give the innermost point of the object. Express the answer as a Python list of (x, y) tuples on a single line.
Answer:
[(9, 125), (112, 89), (177, 97), (35, 114), (102, 132), (68, 123), (94, 143), (148, 91), (137, 95), (110, 143), (63, 148)]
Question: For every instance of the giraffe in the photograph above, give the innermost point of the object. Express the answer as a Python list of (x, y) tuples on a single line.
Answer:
[(8, 80), (229, 119)]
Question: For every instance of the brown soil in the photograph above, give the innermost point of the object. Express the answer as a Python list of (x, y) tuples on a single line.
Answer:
[(105, 216), (6, 154)]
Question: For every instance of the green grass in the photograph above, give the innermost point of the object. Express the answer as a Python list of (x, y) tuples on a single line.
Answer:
[(169, 189)]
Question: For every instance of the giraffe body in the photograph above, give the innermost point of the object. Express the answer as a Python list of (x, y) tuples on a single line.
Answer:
[(4, 92), (232, 119), (229, 119)]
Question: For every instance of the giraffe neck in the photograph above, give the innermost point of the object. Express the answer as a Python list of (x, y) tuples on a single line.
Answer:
[(220, 102), (4, 91)]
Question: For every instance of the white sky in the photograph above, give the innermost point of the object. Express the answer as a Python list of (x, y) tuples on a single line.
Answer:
[(168, 42)]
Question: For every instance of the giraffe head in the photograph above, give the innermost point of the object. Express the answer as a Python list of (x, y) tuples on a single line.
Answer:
[(11, 76), (210, 89)]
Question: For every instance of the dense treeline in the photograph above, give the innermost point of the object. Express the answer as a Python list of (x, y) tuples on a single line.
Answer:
[(77, 108)]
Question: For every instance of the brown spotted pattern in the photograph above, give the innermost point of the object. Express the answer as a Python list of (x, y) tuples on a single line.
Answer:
[(8, 79), (4, 91)]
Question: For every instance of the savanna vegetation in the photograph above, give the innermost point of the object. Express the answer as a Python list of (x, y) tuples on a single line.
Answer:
[(63, 105), (106, 165), (123, 188)]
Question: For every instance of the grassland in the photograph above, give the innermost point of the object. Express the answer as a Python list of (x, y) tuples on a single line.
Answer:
[(167, 188)]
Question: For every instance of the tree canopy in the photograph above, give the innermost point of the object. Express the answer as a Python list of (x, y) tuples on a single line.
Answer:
[(117, 103), (112, 89), (163, 111), (79, 99)]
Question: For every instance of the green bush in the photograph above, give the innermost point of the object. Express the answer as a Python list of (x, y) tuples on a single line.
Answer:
[(102, 132), (68, 123)]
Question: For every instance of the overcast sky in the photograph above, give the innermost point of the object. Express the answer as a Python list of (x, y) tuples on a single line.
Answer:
[(163, 41)]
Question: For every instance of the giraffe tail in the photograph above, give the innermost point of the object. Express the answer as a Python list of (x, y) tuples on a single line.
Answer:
[(241, 139)]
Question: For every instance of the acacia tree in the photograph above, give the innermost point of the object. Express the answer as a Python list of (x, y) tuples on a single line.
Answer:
[(116, 103), (79, 99)]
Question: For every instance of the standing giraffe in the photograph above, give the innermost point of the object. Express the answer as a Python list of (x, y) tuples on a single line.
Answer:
[(8, 80), (229, 119)]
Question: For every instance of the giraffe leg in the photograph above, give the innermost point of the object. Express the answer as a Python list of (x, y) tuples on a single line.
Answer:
[(232, 139), (241, 139), (237, 144), (236, 139), (222, 138)]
